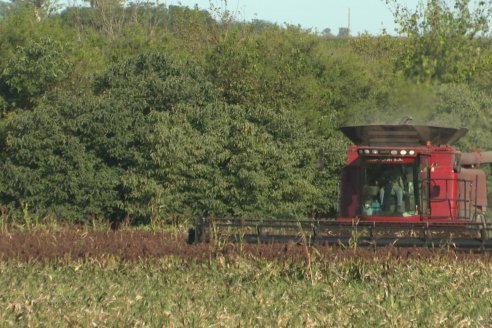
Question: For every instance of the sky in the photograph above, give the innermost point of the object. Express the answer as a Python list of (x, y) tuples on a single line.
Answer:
[(370, 16)]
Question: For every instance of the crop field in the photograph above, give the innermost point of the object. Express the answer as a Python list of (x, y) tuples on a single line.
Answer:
[(145, 279), (143, 116)]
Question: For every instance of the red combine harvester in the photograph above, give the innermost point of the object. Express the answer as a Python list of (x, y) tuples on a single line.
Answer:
[(402, 185)]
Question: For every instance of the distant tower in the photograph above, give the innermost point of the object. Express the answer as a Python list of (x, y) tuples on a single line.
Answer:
[(344, 32), (348, 26)]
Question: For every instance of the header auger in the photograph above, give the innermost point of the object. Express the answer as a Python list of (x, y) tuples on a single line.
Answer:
[(402, 185)]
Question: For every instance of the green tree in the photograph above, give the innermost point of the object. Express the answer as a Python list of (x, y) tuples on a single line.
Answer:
[(5, 8), (460, 105), (153, 139), (34, 70), (46, 166), (40, 8), (290, 69), (442, 41), (206, 157)]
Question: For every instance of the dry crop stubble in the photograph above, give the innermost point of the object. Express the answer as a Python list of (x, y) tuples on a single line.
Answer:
[(77, 244)]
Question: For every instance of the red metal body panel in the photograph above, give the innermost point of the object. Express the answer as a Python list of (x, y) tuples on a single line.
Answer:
[(352, 154), (442, 183)]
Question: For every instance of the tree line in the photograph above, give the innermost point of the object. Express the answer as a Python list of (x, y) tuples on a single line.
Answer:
[(150, 112)]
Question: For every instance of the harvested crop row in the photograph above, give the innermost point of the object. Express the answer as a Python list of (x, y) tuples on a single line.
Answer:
[(73, 244)]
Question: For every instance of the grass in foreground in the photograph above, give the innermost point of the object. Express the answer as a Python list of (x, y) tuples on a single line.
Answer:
[(246, 292)]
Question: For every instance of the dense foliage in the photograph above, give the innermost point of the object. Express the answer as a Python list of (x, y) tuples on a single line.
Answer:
[(146, 112)]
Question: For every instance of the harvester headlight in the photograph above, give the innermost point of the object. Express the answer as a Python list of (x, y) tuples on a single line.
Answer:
[(361, 151), (394, 152), (375, 151), (366, 151), (411, 152), (403, 152)]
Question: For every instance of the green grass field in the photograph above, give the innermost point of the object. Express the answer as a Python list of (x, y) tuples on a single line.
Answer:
[(225, 292)]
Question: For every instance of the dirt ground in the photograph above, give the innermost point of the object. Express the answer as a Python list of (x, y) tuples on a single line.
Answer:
[(74, 244)]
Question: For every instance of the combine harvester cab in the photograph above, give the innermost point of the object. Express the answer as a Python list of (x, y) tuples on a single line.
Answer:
[(410, 173), (402, 185)]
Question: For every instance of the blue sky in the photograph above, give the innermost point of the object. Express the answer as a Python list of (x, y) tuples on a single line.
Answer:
[(365, 15)]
